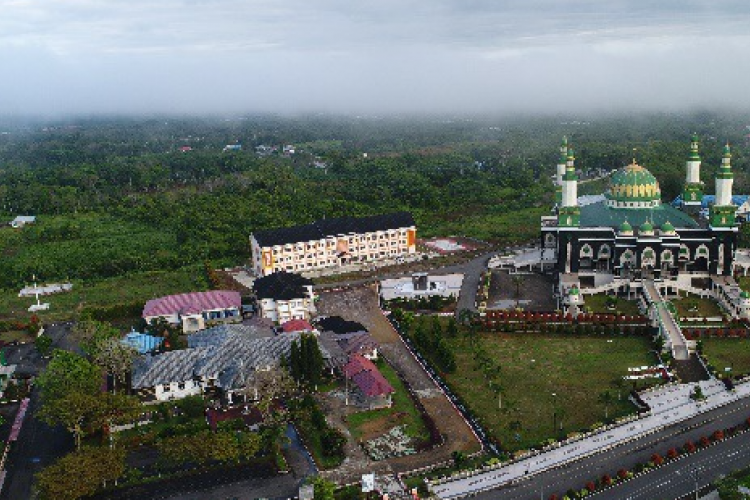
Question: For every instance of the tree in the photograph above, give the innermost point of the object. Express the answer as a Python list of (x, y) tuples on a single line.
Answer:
[(89, 333), (115, 357), (452, 328), (114, 409), (518, 281), (68, 372), (43, 344), (606, 399), (70, 411), (81, 473), (323, 488)]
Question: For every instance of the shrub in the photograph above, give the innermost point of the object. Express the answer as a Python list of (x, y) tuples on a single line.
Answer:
[(704, 441), (657, 459), (689, 447), (591, 486), (622, 473), (718, 435), (672, 453), (606, 480)]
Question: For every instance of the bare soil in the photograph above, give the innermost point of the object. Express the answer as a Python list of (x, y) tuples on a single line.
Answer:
[(361, 304)]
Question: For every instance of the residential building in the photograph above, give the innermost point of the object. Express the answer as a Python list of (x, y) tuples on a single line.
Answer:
[(330, 243), (195, 311), (283, 296), (142, 342), (369, 382), (219, 362)]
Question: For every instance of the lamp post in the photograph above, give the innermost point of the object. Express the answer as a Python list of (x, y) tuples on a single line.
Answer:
[(694, 474), (554, 414)]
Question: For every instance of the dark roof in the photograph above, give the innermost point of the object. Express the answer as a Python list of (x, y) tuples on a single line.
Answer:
[(324, 228), (337, 324), (281, 286), (600, 215)]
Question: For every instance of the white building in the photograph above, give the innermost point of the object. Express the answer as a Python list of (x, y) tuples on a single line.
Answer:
[(333, 242), (194, 311), (283, 296), (22, 220), (421, 285)]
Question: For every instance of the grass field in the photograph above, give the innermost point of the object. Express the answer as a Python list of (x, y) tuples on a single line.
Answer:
[(697, 307), (533, 367), (598, 304), (369, 424), (722, 353), (106, 292)]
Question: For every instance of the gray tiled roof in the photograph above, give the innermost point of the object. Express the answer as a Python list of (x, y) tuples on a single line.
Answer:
[(173, 366)]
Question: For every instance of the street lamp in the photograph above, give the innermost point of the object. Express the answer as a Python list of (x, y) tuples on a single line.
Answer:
[(554, 413), (694, 474)]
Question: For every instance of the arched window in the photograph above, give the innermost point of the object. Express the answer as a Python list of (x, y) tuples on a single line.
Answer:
[(702, 251), (667, 256), (648, 257), (587, 251), (684, 252), (604, 252)]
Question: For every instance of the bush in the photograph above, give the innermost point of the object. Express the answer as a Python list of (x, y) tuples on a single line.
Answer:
[(606, 480), (672, 453), (718, 435), (591, 486), (657, 459), (622, 473), (689, 447)]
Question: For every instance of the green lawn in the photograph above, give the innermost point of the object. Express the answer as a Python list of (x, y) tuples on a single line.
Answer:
[(598, 304), (697, 307), (578, 369), (744, 282), (722, 353), (126, 289), (402, 412)]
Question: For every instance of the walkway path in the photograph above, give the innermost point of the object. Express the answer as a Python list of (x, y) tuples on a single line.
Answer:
[(669, 405), (667, 322)]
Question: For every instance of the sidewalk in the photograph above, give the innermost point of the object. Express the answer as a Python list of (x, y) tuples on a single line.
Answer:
[(669, 405)]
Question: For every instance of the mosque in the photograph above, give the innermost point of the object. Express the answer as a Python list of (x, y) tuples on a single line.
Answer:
[(627, 239)]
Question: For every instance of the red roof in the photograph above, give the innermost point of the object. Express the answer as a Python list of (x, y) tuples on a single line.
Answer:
[(372, 383), (358, 363), (192, 303), (296, 325)]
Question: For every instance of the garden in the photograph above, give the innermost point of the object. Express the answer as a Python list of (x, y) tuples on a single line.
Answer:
[(723, 353), (527, 388), (403, 414), (601, 303)]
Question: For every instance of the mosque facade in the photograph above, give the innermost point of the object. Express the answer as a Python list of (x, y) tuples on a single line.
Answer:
[(617, 241)]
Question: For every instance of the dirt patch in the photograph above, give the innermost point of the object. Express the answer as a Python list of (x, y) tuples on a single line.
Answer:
[(361, 304), (379, 426), (532, 292)]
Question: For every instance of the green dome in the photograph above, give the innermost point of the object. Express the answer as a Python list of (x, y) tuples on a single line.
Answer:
[(625, 227), (633, 184), (646, 227), (573, 291), (745, 294), (667, 227)]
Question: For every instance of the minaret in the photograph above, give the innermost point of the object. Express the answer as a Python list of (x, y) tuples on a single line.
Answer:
[(561, 170), (692, 194), (722, 212), (569, 213)]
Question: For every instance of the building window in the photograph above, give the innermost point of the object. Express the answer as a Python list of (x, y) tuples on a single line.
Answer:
[(181, 386), (166, 388)]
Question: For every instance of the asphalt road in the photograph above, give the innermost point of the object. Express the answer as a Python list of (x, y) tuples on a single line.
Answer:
[(38, 444), (661, 484)]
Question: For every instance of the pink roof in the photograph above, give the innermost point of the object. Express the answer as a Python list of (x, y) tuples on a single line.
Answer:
[(297, 325), (372, 383), (358, 363), (192, 303)]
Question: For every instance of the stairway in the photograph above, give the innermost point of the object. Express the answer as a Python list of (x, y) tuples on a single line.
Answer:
[(690, 370)]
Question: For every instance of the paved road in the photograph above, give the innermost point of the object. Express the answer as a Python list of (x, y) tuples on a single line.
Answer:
[(38, 444), (716, 460)]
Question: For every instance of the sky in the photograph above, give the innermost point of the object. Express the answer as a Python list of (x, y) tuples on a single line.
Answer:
[(371, 57)]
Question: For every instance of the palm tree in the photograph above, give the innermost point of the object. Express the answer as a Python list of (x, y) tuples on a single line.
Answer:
[(606, 399), (518, 280)]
